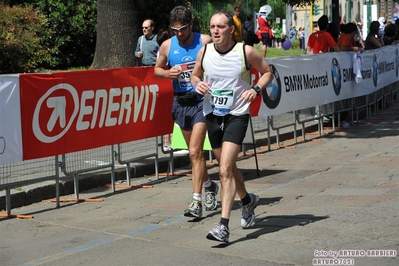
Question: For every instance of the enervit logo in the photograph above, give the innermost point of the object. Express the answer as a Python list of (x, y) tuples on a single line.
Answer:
[(272, 94), (94, 109), (336, 76), (375, 70), (58, 104)]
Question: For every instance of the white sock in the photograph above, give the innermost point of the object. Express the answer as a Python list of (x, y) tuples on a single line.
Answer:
[(197, 196)]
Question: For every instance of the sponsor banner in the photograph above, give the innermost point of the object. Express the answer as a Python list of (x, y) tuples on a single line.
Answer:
[(306, 81), (10, 122), (255, 104), (72, 111)]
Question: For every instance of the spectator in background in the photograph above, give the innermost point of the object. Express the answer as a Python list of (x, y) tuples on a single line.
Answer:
[(341, 28), (270, 43), (273, 31), (390, 33), (292, 33), (397, 26), (301, 37), (237, 24), (382, 20), (321, 41), (332, 29), (147, 46), (358, 35), (374, 39), (346, 41), (278, 36), (248, 30), (264, 29)]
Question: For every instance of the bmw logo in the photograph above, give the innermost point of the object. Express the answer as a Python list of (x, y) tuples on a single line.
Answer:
[(2, 145), (336, 76), (375, 69), (272, 94), (396, 62)]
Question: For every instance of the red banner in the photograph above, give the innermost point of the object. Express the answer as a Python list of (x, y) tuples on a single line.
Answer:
[(72, 111), (255, 104)]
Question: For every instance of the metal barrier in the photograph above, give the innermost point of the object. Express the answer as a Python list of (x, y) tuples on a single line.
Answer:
[(135, 151), (76, 163), (73, 164), (29, 172)]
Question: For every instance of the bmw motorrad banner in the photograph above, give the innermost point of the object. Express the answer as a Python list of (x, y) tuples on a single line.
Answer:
[(10, 121), (309, 80)]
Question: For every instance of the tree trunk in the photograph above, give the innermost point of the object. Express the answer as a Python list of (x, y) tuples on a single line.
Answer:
[(116, 34)]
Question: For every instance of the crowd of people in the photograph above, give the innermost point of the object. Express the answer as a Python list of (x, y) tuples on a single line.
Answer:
[(349, 36)]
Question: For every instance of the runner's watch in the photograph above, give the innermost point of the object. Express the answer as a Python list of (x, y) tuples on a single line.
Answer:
[(256, 88)]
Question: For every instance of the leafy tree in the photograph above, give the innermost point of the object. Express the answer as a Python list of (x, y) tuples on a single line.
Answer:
[(73, 28), (21, 49)]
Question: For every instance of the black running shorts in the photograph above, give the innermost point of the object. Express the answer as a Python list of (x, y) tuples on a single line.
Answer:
[(226, 128)]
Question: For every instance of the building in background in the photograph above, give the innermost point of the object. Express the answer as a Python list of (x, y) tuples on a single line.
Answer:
[(349, 10)]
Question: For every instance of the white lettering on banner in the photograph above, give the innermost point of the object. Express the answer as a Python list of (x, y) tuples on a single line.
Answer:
[(112, 106), (106, 110)]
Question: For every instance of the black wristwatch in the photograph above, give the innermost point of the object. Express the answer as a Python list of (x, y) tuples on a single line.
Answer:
[(256, 88)]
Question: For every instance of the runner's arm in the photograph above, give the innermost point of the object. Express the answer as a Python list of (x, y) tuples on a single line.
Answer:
[(160, 69)]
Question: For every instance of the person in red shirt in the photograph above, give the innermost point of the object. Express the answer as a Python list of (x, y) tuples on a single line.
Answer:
[(346, 41), (321, 41), (264, 29)]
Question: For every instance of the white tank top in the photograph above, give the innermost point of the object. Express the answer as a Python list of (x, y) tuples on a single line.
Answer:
[(229, 77)]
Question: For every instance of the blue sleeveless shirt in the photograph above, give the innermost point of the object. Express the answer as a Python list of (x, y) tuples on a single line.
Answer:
[(184, 57)]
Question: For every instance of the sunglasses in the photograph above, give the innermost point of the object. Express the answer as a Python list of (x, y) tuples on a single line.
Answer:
[(182, 28)]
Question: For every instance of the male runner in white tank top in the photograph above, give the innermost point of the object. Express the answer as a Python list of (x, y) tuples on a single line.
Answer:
[(222, 75)]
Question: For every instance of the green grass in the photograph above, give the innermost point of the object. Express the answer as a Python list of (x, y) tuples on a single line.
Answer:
[(279, 52)]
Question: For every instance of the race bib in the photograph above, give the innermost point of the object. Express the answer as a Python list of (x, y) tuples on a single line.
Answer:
[(222, 100), (185, 74)]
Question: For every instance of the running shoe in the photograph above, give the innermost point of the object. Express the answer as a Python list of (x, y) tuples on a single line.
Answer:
[(210, 197), (194, 210), (219, 233), (248, 214)]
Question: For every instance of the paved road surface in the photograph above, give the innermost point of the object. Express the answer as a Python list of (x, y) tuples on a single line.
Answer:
[(335, 193)]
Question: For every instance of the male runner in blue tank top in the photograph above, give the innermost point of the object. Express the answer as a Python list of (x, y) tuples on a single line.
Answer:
[(222, 75), (176, 61)]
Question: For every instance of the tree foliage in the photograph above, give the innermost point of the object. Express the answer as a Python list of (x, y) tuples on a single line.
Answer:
[(72, 28), (21, 49)]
